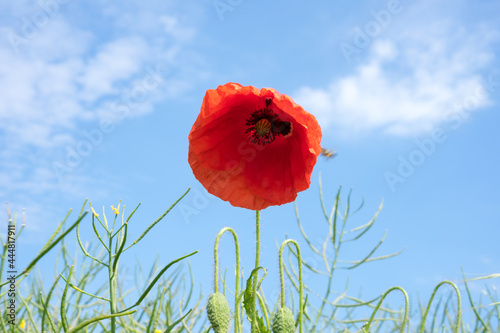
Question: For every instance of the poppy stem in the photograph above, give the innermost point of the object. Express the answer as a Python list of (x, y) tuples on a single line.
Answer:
[(257, 238), (301, 284), (257, 259), (237, 317)]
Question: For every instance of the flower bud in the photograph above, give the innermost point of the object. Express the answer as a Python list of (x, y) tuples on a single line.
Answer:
[(219, 313), (283, 321)]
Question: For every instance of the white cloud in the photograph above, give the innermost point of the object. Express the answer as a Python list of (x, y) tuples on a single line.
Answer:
[(41, 98), (175, 29), (409, 82), (67, 75), (62, 74), (117, 60)]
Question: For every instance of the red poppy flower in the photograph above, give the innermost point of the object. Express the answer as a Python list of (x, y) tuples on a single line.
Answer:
[(253, 147)]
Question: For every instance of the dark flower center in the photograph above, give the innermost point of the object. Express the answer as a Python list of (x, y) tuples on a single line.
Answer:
[(265, 126)]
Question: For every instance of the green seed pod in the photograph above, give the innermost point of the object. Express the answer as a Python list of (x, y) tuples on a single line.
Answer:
[(219, 313), (283, 321)]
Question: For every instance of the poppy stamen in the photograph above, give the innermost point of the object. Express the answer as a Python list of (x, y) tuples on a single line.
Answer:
[(264, 126)]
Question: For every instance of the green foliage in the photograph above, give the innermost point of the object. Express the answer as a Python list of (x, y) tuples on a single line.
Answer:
[(249, 300), (72, 307), (87, 293)]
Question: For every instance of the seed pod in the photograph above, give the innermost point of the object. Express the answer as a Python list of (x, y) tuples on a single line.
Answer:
[(219, 313), (283, 321)]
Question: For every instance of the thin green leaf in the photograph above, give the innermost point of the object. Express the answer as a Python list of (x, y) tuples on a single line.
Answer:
[(98, 318), (145, 293), (157, 220), (171, 327), (367, 226), (472, 304), (64, 319), (369, 254), (50, 246), (51, 322), (122, 245)]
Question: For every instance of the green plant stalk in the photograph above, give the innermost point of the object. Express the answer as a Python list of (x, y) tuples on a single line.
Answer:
[(112, 284), (145, 293), (93, 320), (158, 314), (257, 262), (97, 232), (337, 249), (250, 296), (171, 327), (262, 304), (54, 234), (46, 249), (407, 308), (64, 319), (237, 320), (472, 304), (46, 311), (49, 295), (81, 291), (83, 248), (156, 221), (301, 284), (153, 313), (29, 312), (459, 308), (120, 249)]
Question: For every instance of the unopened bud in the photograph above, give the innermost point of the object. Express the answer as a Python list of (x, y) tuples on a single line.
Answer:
[(283, 321), (219, 313)]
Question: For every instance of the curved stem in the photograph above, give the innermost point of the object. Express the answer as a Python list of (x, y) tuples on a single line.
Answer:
[(216, 273), (407, 306), (301, 284), (459, 309)]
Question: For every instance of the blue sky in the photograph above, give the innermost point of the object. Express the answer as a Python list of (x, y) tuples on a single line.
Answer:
[(98, 99)]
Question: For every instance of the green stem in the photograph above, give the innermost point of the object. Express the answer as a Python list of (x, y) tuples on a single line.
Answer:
[(263, 307), (366, 327), (257, 262), (87, 322), (257, 237), (301, 284), (83, 291), (472, 304), (216, 274), (51, 322), (112, 283), (459, 308), (332, 222)]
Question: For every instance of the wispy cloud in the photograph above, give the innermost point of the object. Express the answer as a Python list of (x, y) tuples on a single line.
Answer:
[(66, 75), (61, 75), (410, 79)]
